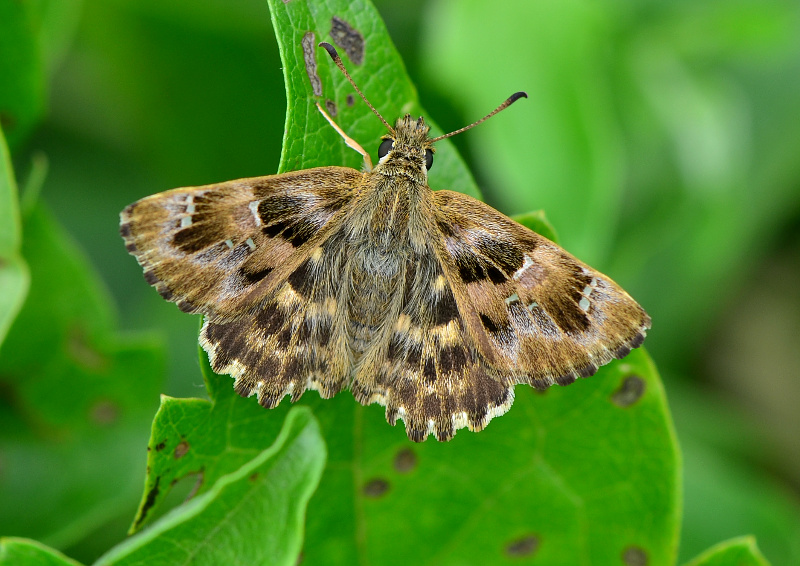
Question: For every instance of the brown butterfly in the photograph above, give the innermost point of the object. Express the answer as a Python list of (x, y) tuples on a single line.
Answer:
[(432, 304)]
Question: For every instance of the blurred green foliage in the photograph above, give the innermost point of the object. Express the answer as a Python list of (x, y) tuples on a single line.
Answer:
[(660, 138)]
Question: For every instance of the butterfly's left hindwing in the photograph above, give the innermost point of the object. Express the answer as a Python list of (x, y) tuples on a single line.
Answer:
[(540, 315), (221, 249)]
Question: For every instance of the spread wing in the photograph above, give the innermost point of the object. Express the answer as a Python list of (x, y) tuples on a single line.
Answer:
[(258, 257), (536, 314), (221, 249)]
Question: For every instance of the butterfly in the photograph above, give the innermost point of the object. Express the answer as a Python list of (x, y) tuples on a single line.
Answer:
[(432, 304)]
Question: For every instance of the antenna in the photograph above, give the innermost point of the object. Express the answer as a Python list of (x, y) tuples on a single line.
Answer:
[(509, 101), (336, 59)]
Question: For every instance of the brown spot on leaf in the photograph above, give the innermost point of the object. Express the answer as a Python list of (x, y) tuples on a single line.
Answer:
[(376, 487), (104, 412), (181, 449), (348, 38), (634, 556), (82, 352), (405, 461), (253, 476), (351, 99), (330, 106), (524, 546), (630, 391), (161, 445), (309, 43)]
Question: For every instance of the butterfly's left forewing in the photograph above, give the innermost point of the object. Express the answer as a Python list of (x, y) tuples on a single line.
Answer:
[(540, 316)]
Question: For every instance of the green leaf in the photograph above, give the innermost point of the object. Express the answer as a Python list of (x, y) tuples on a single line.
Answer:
[(25, 552), (253, 515), (537, 221), (14, 276), (736, 552), (77, 398), (205, 438), (308, 140)]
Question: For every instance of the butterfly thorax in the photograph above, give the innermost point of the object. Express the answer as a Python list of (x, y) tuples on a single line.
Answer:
[(386, 233)]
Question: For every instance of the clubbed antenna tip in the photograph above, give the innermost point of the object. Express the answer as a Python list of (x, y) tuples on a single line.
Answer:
[(508, 102)]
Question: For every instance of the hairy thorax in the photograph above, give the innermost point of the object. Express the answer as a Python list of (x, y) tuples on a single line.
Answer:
[(384, 237)]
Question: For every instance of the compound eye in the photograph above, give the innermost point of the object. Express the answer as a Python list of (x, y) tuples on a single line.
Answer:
[(385, 147), (428, 159)]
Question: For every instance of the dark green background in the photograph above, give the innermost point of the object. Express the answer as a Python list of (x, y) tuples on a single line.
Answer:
[(661, 138)]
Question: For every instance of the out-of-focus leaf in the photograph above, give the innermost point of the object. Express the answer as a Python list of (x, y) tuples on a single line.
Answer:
[(253, 515), (76, 398), (26, 552), (725, 498), (661, 138), (561, 150), (736, 552), (14, 277), (22, 86)]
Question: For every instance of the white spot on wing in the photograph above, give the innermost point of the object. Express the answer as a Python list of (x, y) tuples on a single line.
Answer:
[(250, 244), (512, 299), (525, 265), (186, 221), (254, 209), (229, 243), (584, 304)]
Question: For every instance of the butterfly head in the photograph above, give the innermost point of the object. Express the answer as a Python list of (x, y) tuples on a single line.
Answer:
[(407, 147)]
